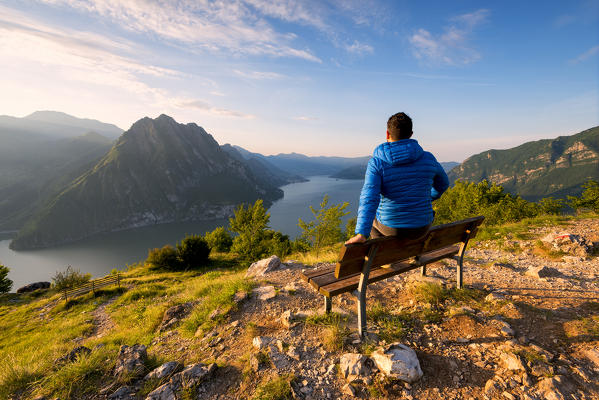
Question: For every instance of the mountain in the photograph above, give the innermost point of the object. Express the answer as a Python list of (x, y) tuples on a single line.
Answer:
[(549, 167), (261, 167), (305, 166), (35, 168), (57, 125), (358, 171), (158, 171)]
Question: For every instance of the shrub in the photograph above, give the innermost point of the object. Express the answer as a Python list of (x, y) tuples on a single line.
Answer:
[(325, 229), (275, 242), (5, 283), (350, 227), (219, 239), (164, 258), (193, 251), (69, 278), (589, 199), (250, 224)]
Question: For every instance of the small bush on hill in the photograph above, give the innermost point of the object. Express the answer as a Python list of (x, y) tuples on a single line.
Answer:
[(5, 283), (69, 278), (589, 199), (276, 243), (193, 251), (219, 239), (164, 258), (325, 229)]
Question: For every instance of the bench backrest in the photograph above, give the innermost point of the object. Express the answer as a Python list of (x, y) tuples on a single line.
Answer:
[(391, 249)]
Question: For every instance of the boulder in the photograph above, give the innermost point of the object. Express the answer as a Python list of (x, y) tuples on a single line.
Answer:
[(593, 355), (164, 392), (511, 362), (260, 342), (173, 315), (193, 375), (398, 361), (164, 371), (131, 360), (264, 266), (123, 393), (555, 388), (542, 272), (33, 286), (73, 354), (265, 293), (569, 243), (353, 366)]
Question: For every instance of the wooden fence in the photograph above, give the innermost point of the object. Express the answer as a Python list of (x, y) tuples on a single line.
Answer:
[(92, 286)]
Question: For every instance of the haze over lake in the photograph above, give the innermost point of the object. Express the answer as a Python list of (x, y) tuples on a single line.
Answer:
[(100, 254)]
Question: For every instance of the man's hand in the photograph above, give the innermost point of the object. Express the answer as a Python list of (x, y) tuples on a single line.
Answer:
[(359, 238)]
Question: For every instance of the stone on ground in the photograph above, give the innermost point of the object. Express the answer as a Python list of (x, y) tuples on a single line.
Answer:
[(33, 286), (131, 360), (173, 315), (542, 272), (511, 362), (164, 371), (353, 366), (73, 354), (262, 267), (555, 388), (398, 361), (265, 293)]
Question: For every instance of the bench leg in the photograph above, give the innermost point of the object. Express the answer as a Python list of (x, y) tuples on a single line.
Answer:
[(328, 304), (423, 270), (362, 314), (459, 275)]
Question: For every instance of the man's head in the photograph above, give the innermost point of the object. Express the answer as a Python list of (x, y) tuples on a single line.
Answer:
[(399, 126)]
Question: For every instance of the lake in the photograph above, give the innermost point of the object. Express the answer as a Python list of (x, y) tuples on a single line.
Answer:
[(99, 254)]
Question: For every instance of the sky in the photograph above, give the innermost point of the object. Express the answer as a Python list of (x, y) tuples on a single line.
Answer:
[(318, 77)]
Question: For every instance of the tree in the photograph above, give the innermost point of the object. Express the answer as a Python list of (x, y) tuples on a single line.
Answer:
[(5, 283), (589, 199), (219, 239), (350, 227), (164, 258), (71, 277), (325, 229), (193, 251), (250, 224)]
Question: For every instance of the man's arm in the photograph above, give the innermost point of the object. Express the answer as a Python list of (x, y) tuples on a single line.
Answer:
[(369, 200), (440, 182)]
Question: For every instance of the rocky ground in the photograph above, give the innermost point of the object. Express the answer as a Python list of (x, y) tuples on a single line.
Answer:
[(526, 327)]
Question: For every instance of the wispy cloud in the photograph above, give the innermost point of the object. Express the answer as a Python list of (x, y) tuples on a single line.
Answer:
[(88, 58), (210, 109), (359, 48), (452, 46), (201, 25), (305, 118), (258, 75), (586, 55)]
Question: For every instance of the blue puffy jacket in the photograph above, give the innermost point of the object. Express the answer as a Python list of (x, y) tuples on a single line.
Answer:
[(400, 183)]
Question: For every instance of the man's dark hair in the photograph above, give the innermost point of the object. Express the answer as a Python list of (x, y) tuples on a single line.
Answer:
[(399, 126)]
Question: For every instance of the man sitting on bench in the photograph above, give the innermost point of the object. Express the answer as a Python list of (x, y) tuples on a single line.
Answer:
[(400, 184)]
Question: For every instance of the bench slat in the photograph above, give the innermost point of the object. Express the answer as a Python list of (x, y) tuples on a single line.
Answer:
[(307, 275), (351, 283), (326, 282)]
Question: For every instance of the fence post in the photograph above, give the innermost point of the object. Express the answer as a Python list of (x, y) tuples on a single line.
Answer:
[(118, 280), (65, 294), (93, 291)]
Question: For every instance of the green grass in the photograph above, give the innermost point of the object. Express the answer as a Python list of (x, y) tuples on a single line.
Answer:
[(393, 327), (335, 329), (278, 388), (429, 293)]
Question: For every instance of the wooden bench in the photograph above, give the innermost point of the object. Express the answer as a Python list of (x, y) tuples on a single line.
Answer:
[(360, 264), (92, 286)]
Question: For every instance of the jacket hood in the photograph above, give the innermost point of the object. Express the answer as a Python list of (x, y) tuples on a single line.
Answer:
[(403, 151)]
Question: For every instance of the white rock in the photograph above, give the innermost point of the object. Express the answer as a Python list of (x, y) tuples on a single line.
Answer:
[(260, 342), (164, 392), (511, 361), (398, 361), (264, 266), (353, 366), (593, 355), (164, 370), (265, 293)]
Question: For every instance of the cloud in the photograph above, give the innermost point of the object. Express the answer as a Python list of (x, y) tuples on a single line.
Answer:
[(452, 46), (586, 55), (258, 75), (216, 26), (359, 48), (204, 106), (305, 118), (75, 56)]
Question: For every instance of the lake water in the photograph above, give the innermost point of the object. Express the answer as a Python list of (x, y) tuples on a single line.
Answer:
[(99, 254)]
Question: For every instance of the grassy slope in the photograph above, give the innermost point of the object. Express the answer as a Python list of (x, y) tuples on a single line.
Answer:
[(32, 342)]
